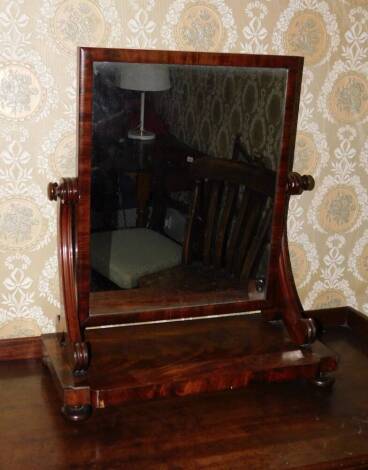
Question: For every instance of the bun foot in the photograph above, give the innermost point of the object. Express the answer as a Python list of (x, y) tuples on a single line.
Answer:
[(77, 412), (323, 381)]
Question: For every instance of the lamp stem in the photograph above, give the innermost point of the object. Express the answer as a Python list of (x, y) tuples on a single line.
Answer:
[(141, 126), (139, 133)]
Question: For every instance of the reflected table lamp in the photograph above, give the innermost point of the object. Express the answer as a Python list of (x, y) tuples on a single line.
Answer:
[(143, 77)]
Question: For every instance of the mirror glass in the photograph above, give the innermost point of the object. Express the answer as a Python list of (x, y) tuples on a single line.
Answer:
[(153, 235)]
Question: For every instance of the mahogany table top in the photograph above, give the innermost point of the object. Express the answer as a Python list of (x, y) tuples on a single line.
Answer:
[(277, 426)]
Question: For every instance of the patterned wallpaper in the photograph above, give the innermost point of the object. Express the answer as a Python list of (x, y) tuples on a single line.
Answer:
[(207, 108), (328, 228)]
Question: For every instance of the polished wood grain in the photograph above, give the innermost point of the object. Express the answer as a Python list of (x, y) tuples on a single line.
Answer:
[(357, 321), (67, 194), (20, 348), (31, 347), (145, 304), (184, 358), (83, 309), (293, 66), (265, 426)]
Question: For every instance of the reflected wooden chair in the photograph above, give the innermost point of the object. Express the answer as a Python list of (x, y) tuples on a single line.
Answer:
[(228, 228)]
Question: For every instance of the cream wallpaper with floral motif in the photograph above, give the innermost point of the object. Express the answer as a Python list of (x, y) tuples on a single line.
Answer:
[(38, 38)]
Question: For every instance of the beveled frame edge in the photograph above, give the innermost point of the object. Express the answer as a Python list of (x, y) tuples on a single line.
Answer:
[(88, 55)]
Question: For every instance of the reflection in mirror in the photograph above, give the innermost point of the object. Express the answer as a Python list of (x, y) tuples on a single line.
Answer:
[(183, 177)]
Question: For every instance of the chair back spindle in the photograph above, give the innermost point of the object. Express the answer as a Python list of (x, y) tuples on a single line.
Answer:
[(232, 212)]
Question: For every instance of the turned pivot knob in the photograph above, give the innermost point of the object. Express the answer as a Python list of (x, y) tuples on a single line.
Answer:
[(307, 182), (67, 191), (53, 191), (298, 183)]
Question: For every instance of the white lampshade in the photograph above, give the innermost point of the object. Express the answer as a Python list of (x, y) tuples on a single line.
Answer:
[(144, 77)]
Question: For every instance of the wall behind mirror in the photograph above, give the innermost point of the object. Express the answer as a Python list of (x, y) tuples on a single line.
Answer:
[(141, 190)]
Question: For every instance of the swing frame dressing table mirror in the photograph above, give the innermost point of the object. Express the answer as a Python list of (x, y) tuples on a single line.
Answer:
[(95, 368)]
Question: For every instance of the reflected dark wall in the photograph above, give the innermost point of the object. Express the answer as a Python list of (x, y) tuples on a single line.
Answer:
[(207, 107)]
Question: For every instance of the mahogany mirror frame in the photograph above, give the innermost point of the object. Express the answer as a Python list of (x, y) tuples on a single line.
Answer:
[(281, 299)]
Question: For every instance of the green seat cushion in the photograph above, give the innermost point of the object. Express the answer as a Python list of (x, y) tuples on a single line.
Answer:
[(123, 256)]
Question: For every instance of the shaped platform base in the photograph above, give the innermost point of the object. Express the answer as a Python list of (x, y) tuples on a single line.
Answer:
[(181, 358)]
